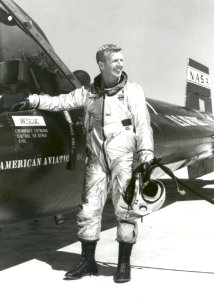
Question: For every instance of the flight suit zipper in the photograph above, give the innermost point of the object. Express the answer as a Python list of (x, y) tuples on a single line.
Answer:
[(104, 136)]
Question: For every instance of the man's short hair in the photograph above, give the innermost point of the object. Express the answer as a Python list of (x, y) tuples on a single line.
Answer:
[(106, 49)]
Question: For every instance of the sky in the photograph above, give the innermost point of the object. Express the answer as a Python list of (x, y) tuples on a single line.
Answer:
[(157, 37)]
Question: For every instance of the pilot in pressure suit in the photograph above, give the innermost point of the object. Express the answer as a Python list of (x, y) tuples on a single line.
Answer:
[(117, 124)]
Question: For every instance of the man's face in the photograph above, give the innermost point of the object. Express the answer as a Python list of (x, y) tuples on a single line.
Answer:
[(112, 67)]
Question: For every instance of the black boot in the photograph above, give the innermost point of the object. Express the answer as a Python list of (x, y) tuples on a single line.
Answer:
[(87, 265), (123, 273)]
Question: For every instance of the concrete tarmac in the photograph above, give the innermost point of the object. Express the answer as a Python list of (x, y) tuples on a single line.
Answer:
[(173, 258)]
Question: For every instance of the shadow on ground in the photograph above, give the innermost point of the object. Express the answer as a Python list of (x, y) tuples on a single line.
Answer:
[(198, 185), (40, 239), (64, 261)]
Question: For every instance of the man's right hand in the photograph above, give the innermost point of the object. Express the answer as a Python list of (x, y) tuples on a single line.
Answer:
[(23, 105), (12, 102)]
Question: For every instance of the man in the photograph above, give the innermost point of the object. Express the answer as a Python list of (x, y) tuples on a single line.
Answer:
[(117, 122)]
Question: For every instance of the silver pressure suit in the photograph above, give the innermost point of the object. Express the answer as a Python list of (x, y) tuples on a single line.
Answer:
[(117, 124)]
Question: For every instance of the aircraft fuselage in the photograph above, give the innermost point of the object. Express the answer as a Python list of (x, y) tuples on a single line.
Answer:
[(42, 155)]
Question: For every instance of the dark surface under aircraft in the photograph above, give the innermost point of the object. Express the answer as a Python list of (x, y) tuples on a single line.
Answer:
[(40, 239), (42, 154)]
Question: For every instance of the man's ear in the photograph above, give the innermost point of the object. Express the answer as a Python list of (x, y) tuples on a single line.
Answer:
[(101, 65)]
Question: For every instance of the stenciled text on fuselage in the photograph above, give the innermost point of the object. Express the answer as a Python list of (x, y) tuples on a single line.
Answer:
[(33, 162)]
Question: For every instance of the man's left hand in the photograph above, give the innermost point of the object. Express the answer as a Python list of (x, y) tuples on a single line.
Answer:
[(145, 169), (146, 156)]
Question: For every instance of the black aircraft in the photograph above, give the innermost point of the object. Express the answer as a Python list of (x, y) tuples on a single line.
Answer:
[(42, 154)]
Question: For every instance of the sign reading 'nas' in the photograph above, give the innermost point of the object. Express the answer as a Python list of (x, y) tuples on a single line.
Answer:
[(198, 77)]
